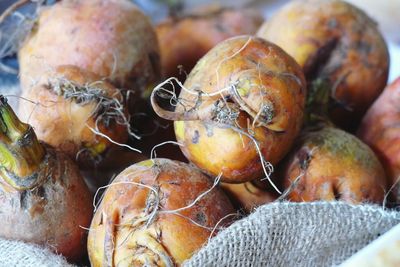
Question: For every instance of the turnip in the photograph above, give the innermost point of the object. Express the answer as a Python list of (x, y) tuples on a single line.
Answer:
[(157, 212), (185, 39), (241, 105), (250, 195), (43, 198), (338, 43), (78, 113), (380, 130), (327, 163), (111, 38), (331, 164)]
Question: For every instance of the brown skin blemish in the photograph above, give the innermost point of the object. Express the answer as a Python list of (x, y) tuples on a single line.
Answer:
[(304, 158), (172, 234), (330, 39), (341, 167), (271, 123), (201, 218)]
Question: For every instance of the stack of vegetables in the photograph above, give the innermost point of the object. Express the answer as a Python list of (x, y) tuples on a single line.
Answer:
[(262, 116)]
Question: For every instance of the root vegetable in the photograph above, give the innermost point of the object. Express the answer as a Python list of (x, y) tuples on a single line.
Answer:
[(43, 198), (242, 104), (330, 164), (156, 212), (69, 106), (379, 129), (334, 41), (248, 196), (111, 38), (186, 39)]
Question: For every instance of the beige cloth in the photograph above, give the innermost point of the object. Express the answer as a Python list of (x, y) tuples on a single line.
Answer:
[(296, 234), (277, 234), (19, 254)]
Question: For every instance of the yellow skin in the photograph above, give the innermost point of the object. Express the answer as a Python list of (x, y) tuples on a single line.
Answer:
[(334, 41), (111, 38), (334, 165), (248, 196), (264, 90), (190, 37), (64, 123), (119, 235), (380, 130), (44, 199)]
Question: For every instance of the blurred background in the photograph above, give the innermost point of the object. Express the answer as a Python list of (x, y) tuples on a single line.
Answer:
[(385, 13)]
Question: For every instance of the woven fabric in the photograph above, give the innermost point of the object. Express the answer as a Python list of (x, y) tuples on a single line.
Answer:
[(19, 254), (296, 234), (277, 234)]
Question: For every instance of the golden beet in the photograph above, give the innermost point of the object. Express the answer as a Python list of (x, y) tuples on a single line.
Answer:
[(184, 40), (334, 41), (330, 164), (111, 38), (244, 99), (44, 199), (149, 215), (380, 130), (248, 196), (68, 106)]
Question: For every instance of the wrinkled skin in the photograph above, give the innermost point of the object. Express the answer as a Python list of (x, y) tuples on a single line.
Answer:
[(51, 214), (254, 87), (64, 123), (184, 40), (334, 41), (334, 165), (111, 38), (119, 236), (379, 129), (248, 196)]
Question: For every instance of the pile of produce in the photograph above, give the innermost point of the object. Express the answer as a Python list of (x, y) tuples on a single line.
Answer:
[(260, 112)]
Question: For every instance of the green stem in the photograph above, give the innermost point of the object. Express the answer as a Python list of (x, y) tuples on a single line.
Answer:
[(317, 104), (21, 153)]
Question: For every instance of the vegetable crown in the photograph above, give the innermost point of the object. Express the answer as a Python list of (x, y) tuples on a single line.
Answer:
[(21, 153)]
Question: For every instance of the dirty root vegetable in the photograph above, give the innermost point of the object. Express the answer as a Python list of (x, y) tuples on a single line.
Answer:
[(241, 105), (380, 130), (248, 196), (111, 38), (186, 39), (43, 198), (330, 164), (334, 41), (69, 105), (156, 212)]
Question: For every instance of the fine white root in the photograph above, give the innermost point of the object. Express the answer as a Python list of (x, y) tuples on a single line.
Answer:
[(155, 199), (395, 184), (198, 198), (153, 153), (236, 214), (112, 141), (292, 186)]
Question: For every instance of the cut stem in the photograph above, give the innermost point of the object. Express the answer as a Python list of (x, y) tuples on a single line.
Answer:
[(21, 153)]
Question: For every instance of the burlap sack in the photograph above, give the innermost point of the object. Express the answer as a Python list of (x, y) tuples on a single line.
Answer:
[(296, 234), (277, 234), (19, 254)]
